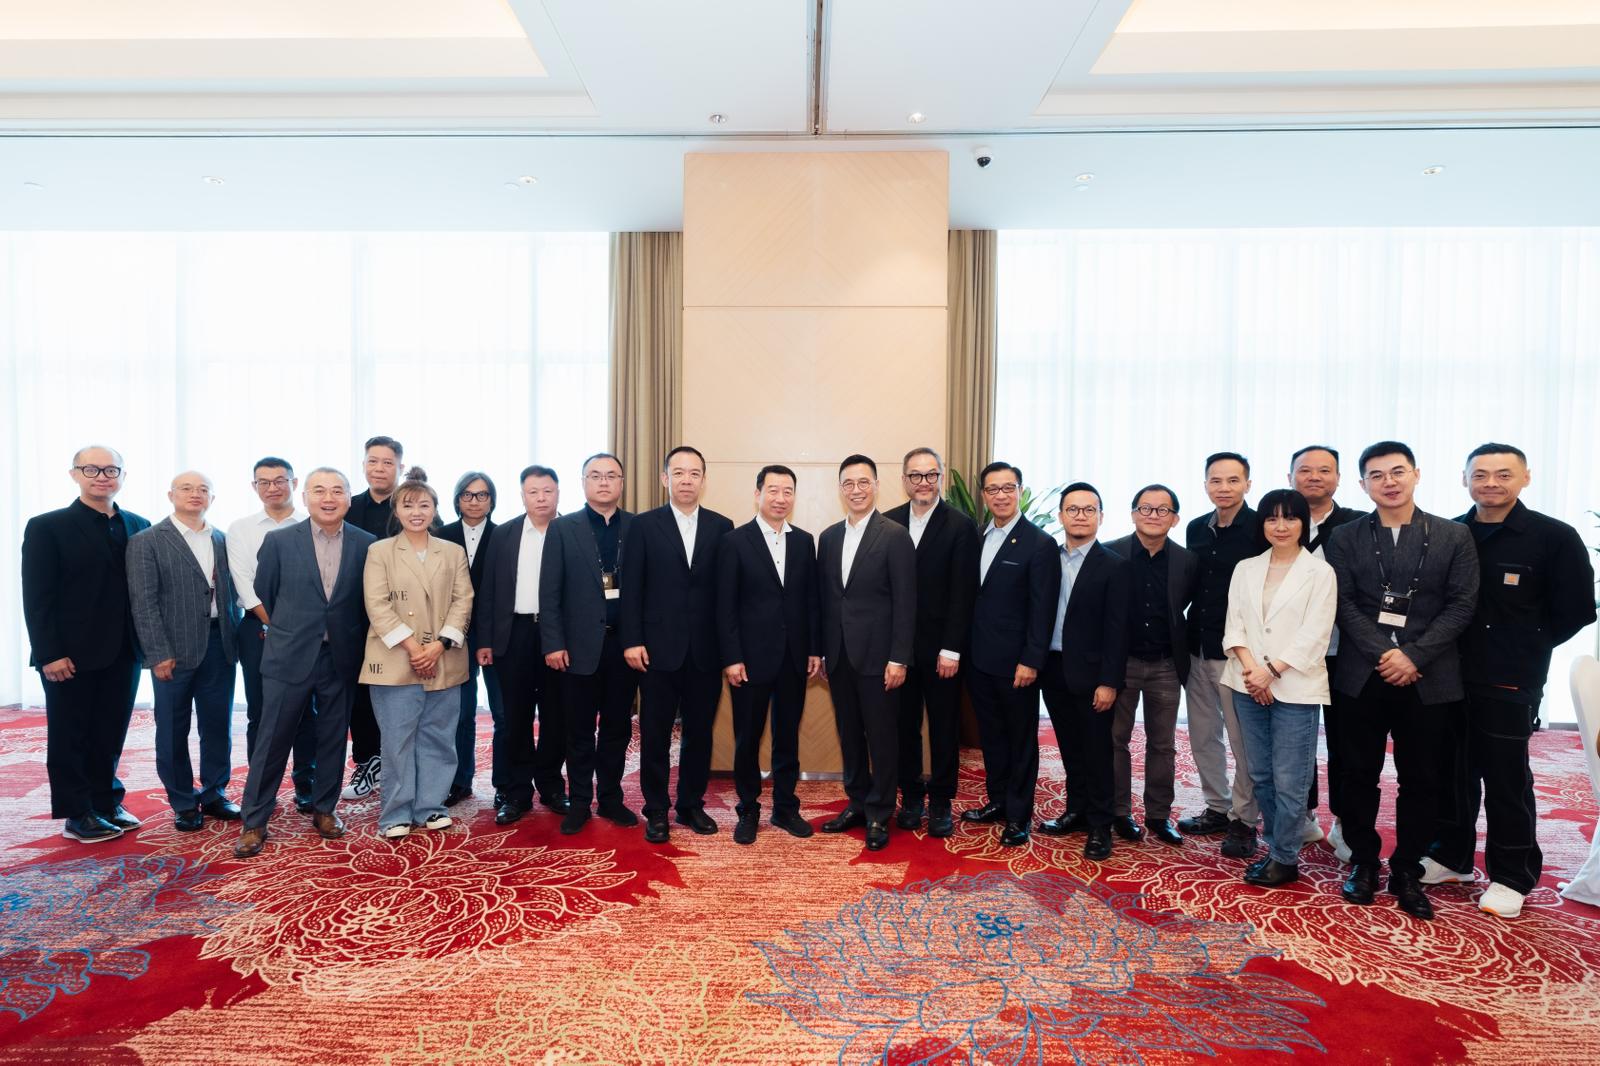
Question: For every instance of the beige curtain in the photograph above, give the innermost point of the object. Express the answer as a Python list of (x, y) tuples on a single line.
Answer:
[(646, 358), (970, 384)]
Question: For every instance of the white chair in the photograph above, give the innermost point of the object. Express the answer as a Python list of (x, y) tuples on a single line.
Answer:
[(1585, 888)]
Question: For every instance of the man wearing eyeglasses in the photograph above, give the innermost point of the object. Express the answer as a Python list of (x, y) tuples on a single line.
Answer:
[(947, 578), (1408, 585), (1535, 592), (1161, 577), (472, 530), (76, 606), (1018, 582), (274, 484)]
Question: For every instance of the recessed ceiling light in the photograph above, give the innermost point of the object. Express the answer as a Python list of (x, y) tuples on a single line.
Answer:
[(33, 186), (1431, 171), (527, 179), (916, 118), (1084, 178), (212, 179), (716, 118)]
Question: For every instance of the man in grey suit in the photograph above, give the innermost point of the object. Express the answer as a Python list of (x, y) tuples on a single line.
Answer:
[(309, 578), (185, 613), (1408, 585), (868, 571)]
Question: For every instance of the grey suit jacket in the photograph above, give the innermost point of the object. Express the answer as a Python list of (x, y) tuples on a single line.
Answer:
[(873, 618), (171, 598), (290, 588), (1441, 609), (572, 599)]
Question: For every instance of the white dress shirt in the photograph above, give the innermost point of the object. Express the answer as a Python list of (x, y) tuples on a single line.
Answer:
[(244, 544), (918, 526), (993, 538), (687, 526), (530, 554), (777, 543), (473, 536), (852, 542), (205, 553)]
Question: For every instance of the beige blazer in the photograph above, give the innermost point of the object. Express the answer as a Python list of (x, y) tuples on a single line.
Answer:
[(406, 596), (1294, 631)]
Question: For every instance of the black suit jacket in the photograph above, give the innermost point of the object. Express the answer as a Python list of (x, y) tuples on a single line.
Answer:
[(1015, 608), (947, 580), (74, 591), (495, 595), (668, 604), (1337, 517), (572, 599), (763, 621), (455, 533), (873, 619), (1094, 633), (1181, 565)]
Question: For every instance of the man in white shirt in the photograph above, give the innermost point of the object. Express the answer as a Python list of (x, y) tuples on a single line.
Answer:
[(274, 484), (475, 499)]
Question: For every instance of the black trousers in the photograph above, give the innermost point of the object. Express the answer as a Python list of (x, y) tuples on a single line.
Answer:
[(1420, 733), (785, 695), (284, 707), (365, 737), (867, 718), (1008, 730), (86, 724), (663, 696), (595, 758), (250, 634), (1489, 766), (942, 697), (1330, 729), (525, 760), (1084, 737)]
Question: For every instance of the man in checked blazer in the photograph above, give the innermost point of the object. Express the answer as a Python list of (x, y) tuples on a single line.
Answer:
[(185, 612)]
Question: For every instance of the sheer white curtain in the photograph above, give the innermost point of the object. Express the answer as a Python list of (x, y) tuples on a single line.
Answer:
[(1126, 356), (476, 350)]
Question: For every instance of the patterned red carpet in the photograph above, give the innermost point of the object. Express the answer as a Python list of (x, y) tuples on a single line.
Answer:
[(489, 945)]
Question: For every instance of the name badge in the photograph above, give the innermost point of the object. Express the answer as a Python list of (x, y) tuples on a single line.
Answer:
[(1393, 610), (613, 594), (1512, 579)]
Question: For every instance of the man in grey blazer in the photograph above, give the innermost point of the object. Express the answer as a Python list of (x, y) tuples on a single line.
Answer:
[(1408, 585), (184, 610), (868, 572), (308, 577)]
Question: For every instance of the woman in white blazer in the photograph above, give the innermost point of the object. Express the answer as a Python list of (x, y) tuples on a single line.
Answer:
[(1281, 606)]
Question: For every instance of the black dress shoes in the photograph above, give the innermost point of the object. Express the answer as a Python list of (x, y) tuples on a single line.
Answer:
[(576, 818), (1062, 826), (1408, 893), (1205, 824), (845, 819), (1240, 843), (1256, 867), (989, 812), (1015, 835), (745, 831), (223, 810), (940, 824), (1126, 828), (456, 795), (555, 803), (877, 836), (509, 812), (1272, 873), (791, 822), (910, 816), (305, 804), (618, 814), (189, 821), (698, 820), (1362, 884), (1098, 846), (1164, 831), (123, 819), (89, 829), (655, 828)]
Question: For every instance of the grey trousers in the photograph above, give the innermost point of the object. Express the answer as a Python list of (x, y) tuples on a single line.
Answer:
[(1211, 716), (1157, 682)]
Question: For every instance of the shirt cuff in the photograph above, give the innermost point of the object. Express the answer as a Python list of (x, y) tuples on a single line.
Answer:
[(900, 665), (397, 636), (946, 653), (454, 634)]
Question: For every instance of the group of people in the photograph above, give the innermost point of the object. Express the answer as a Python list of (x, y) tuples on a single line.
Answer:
[(371, 619)]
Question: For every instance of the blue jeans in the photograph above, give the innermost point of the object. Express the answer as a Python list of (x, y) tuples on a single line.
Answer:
[(205, 693), (418, 738), (1281, 739), (467, 725)]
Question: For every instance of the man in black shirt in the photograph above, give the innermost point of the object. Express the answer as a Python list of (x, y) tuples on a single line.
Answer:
[(1535, 591)]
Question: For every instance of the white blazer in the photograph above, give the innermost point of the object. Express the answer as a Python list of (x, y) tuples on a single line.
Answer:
[(1294, 631)]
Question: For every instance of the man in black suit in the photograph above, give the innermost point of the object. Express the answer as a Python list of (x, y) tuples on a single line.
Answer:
[(474, 525), (509, 647), (669, 635), (580, 593), (1086, 666), (75, 605), (868, 569), (1160, 585), (947, 578), (1018, 583), (770, 624)]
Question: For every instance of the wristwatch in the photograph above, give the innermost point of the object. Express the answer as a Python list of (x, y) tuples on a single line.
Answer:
[(449, 645)]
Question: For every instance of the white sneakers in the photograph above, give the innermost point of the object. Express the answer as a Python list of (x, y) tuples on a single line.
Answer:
[(395, 832), (1434, 873), (1311, 832), (1341, 850), (1501, 901), (438, 821), (364, 781)]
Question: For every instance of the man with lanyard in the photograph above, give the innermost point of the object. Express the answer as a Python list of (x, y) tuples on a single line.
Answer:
[(1535, 592), (1408, 583)]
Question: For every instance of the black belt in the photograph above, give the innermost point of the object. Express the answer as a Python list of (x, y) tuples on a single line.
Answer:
[(1150, 656), (534, 617)]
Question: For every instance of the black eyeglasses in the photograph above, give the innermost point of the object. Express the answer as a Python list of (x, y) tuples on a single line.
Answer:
[(1158, 512), (919, 477), (476, 497), (1073, 511), (90, 470)]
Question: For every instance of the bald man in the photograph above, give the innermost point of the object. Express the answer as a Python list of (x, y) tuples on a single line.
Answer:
[(75, 604), (186, 616)]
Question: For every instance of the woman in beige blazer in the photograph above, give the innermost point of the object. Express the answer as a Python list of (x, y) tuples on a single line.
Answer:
[(1281, 606), (419, 602)]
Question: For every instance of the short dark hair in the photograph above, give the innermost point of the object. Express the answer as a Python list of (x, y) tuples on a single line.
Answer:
[(1158, 487), (1494, 448), (1385, 447), (272, 460), (468, 478), (683, 449), (859, 460), (384, 442), (603, 455), (996, 467), (924, 450), (1289, 504), (774, 468), (1295, 458), (1217, 457), (536, 471), (1081, 486)]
